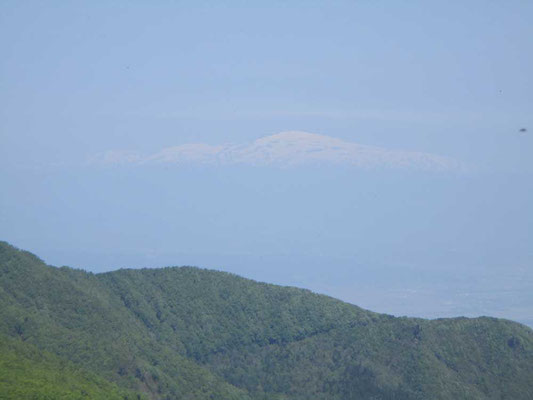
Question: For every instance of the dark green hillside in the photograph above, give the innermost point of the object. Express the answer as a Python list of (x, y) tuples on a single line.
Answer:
[(72, 314), (187, 333), (300, 345), (212, 312)]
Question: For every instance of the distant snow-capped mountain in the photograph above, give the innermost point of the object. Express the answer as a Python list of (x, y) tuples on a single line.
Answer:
[(286, 149)]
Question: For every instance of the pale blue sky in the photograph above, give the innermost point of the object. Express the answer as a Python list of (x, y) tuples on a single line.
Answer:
[(79, 77), (454, 78)]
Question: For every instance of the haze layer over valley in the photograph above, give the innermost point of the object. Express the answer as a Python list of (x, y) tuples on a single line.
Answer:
[(406, 242)]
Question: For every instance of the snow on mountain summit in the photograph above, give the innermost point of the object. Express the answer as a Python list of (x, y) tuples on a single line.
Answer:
[(292, 148)]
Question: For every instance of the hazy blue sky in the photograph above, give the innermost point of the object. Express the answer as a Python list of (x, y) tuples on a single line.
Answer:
[(79, 79)]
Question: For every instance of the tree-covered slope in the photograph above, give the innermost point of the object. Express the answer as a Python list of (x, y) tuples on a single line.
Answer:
[(211, 312), (188, 333), (72, 314), (27, 373), (295, 344)]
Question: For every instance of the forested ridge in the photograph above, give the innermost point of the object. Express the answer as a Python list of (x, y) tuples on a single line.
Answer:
[(190, 333)]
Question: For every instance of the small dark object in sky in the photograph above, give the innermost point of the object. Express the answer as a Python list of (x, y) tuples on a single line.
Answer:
[(522, 130)]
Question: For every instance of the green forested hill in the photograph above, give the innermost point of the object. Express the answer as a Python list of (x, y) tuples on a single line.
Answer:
[(74, 315), (188, 333)]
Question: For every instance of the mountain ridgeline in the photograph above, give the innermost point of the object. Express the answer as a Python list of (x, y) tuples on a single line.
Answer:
[(189, 333)]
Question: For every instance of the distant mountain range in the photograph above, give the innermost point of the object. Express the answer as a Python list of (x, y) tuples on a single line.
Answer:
[(189, 333), (286, 149)]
